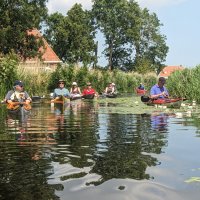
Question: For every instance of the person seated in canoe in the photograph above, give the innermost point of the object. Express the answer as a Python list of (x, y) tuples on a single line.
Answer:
[(141, 87), (109, 89), (159, 91), (75, 92), (140, 90), (60, 91), (89, 92), (17, 95)]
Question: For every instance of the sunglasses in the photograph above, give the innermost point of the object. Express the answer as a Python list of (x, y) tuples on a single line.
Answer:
[(61, 83)]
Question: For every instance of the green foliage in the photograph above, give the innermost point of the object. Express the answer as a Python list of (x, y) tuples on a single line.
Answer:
[(35, 83), (16, 18), (72, 36), (8, 66), (125, 82), (132, 36), (82, 76), (185, 83)]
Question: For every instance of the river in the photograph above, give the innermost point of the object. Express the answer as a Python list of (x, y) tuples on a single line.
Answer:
[(85, 151)]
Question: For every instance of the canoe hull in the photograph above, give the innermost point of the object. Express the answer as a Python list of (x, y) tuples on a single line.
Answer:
[(140, 92), (111, 95), (88, 96), (170, 103)]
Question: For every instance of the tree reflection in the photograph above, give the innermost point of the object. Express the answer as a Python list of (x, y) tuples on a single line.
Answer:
[(129, 143), (24, 165)]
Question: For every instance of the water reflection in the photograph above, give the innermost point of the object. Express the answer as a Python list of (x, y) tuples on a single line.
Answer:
[(56, 146), (159, 121)]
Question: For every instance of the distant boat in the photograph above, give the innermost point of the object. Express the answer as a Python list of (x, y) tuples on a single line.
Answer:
[(140, 92)]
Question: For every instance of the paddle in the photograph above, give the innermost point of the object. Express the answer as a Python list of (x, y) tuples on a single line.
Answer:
[(15, 105)]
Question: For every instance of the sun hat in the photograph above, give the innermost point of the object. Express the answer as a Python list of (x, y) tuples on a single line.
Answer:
[(61, 81), (74, 83), (113, 84), (17, 82)]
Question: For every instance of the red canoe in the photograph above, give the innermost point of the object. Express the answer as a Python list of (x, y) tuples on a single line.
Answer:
[(140, 92), (165, 101)]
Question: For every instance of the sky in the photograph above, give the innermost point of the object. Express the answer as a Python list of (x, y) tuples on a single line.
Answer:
[(180, 19)]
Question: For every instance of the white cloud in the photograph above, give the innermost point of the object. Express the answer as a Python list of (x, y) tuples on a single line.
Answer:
[(62, 6), (154, 4)]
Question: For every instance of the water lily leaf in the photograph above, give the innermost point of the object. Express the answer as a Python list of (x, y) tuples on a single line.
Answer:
[(192, 179)]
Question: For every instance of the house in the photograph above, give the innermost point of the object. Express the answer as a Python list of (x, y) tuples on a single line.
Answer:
[(168, 70), (49, 59)]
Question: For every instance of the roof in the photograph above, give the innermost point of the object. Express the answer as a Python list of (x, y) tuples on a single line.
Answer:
[(169, 69), (49, 56)]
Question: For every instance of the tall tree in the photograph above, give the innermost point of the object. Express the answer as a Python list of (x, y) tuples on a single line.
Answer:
[(109, 18), (132, 35), (16, 18), (72, 36), (148, 44)]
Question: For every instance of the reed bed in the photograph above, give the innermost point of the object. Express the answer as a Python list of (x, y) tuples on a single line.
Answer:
[(183, 83)]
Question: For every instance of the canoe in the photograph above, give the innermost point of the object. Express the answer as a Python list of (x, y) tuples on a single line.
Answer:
[(111, 95), (60, 100), (140, 92), (169, 102), (88, 96), (75, 98)]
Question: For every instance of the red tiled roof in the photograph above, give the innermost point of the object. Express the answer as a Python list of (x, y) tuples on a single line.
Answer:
[(49, 56), (168, 70)]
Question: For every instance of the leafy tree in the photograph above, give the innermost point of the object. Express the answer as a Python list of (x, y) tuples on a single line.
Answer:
[(144, 36), (16, 18), (8, 72), (132, 35), (72, 36), (109, 19)]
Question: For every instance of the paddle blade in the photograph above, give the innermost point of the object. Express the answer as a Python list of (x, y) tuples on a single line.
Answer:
[(145, 99)]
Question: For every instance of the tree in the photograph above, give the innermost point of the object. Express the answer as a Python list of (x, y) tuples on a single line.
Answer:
[(16, 18), (108, 15), (147, 43), (132, 35), (72, 36)]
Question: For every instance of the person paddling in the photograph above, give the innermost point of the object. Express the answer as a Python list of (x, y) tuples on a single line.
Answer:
[(18, 94), (159, 90), (110, 89), (75, 91), (89, 92), (60, 91)]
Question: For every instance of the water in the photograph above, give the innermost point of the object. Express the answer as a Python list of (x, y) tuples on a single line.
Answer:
[(82, 152)]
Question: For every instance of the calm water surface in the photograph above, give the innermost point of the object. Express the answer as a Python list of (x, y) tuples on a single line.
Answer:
[(83, 152)]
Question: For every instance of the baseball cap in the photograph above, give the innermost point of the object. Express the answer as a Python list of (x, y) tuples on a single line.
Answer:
[(20, 83)]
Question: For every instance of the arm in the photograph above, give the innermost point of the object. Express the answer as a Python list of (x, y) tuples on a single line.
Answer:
[(106, 90), (154, 94), (7, 97), (67, 94), (79, 90), (27, 97), (83, 93)]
